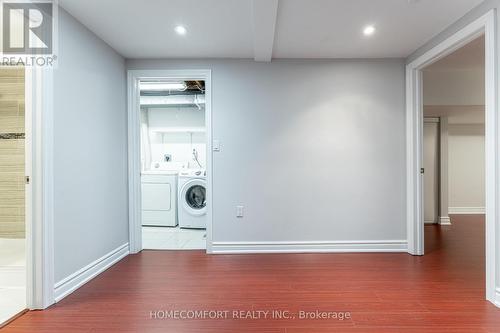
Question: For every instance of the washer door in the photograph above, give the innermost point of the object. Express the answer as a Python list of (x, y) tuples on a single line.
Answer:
[(194, 198)]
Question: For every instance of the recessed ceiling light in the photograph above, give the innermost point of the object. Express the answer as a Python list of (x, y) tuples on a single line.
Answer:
[(369, 30), (181, 30)]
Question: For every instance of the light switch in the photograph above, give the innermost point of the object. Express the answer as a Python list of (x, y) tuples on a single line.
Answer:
[(216, 145), (239, 211)]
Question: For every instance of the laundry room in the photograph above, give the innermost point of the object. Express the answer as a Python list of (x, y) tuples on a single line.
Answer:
[(173, 164)]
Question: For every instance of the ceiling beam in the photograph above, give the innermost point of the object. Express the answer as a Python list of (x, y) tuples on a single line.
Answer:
[(264, 23)]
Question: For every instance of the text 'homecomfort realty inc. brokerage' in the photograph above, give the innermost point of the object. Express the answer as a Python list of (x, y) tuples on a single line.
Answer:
[(248, 315)]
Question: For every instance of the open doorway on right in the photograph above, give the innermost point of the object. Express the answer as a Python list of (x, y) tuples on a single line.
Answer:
[(454, 156)]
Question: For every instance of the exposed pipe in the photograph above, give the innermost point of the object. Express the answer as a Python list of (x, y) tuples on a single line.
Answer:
[(178, 100)]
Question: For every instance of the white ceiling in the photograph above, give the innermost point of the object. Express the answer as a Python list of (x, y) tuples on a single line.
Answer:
[(255, 29)]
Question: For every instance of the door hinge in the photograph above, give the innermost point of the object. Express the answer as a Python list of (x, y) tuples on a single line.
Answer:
[(27, 180), (422, 171)]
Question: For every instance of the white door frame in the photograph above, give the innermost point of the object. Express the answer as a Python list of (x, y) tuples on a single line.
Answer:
[(414, 123), (134, 146), (40, 190)]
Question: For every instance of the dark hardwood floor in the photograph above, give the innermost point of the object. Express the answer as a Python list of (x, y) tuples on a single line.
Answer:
[(440, 292)]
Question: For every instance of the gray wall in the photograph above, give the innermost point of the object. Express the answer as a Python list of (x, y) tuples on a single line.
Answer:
[(314, 150), (465, 153), (454, 87), (466, 171), (90, 158)]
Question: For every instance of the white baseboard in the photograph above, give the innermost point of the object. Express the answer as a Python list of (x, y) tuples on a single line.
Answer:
[(467, 210), (69, 284), (441, 220), (444, 220), (309, 247)]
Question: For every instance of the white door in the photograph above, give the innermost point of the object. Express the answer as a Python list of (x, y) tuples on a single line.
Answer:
[(431, 166)]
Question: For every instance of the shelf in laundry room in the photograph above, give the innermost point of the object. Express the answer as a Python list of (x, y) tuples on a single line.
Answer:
[(179, 130)]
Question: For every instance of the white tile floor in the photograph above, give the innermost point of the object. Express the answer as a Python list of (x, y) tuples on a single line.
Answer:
[(173, 238), (12, 278)]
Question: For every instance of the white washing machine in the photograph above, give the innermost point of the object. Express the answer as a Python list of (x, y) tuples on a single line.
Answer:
[(192, 199)]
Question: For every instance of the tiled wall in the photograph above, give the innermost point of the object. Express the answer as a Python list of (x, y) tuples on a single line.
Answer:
[(12, 220)]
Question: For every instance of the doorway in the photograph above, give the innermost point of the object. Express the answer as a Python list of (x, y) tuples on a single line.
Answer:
[(173, 164), (484, 25), (170, 162), (454, 135)]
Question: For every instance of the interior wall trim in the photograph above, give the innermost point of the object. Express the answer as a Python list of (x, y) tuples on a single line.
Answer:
[(74, 281), (310, 247)]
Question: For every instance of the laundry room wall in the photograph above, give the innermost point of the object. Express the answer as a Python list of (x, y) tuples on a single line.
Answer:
[(90, 150), (313, 149), (176, 131)]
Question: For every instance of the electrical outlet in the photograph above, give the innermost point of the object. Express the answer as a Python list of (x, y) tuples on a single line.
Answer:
[(239, 211)]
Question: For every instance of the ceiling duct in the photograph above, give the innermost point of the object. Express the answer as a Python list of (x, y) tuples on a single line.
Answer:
[(194, 100)]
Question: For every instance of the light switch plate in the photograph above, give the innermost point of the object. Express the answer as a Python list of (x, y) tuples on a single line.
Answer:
[(216, 145), (239, 211)]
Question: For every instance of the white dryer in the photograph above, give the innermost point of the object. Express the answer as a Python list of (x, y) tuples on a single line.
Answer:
[(159, 198), (192, 199)]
